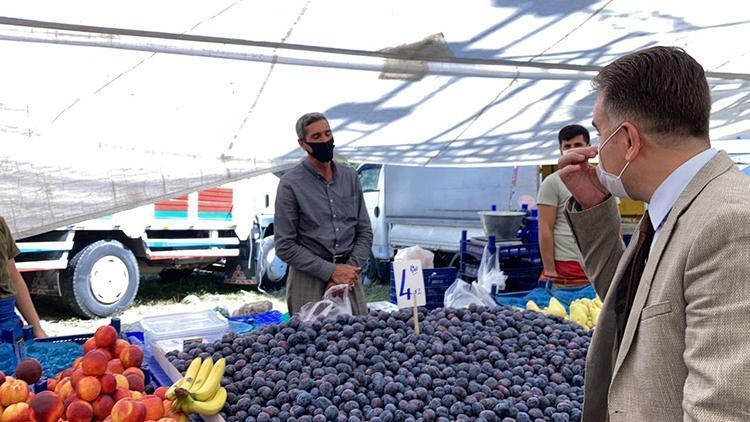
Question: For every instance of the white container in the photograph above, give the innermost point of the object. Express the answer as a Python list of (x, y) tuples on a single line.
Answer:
[(172, 331)]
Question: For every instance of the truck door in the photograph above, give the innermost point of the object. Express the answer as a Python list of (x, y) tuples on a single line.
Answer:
[(370, 176)]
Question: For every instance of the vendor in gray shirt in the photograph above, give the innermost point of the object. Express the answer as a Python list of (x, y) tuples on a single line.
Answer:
[(321, 225)]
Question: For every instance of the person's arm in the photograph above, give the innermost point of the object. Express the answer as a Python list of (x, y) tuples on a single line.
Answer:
[(286, 219), (597, 233), (717, 304), (23, 300), (547, 218)]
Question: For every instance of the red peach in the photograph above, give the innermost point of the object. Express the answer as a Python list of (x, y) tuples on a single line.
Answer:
[(131, 356), (79, 411), (88, 389), (105, 336), (103, 406), (94, 363), (46, 407), (128, 410)]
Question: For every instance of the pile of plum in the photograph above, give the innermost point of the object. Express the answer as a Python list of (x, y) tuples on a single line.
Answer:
[(478, 364)]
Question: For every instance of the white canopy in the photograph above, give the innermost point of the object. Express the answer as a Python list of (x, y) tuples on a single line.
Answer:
[(98, 120)]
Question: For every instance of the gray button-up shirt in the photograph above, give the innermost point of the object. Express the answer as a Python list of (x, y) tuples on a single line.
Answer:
[(315, 220)]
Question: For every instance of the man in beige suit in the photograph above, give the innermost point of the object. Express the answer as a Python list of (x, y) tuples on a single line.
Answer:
[(673, 338)]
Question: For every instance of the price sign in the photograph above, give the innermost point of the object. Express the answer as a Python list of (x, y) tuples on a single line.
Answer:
[(409, 283)]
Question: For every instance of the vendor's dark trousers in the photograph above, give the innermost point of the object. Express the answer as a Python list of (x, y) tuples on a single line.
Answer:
[(302, 288)]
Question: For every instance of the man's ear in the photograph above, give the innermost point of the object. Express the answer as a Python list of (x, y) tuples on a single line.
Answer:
[(634, 140), (302, 145)]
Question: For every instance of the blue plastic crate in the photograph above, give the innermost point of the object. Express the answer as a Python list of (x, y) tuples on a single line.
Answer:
[(436, 282), (259, 320)]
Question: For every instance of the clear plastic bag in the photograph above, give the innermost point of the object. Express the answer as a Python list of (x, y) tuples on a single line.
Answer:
[(461, 294), (424, 256), (490, 274), (335, 302)]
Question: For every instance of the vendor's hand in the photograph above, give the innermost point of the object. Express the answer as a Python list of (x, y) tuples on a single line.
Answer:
[(549, 273), (580, 177), (39, 333), (345, 274)]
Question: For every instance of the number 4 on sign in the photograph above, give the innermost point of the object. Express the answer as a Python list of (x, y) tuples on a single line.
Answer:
[(410, 283)]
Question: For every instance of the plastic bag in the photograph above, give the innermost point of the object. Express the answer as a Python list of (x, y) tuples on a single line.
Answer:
[(331, 306), (424, 256), (490, 274), (461, 294)]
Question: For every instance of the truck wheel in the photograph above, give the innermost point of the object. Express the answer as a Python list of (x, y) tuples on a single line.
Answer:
[(101, 280), (275, 270)]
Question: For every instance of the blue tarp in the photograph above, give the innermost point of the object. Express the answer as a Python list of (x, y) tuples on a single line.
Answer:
[(541, 296)]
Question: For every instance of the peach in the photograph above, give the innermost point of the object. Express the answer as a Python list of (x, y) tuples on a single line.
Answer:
[(88, 389), (122, 381), (106, 352), (154, 407), (120, 345), (115, 366), (79, 411), (103, 406), (46, 407), (67, 373), (70, 399), (121, 393), (128, 410), (89, 345), (105, 336), (77, 363), (18, 412), (76, 377), (29, 370), (136, 371), (94, 363), (135, 382), (166, 420), (131, 356), (2, 378), (136, 395), (15, 391), (30, 398), (51, 384), (161, 393), (109, 383), (65, 389)]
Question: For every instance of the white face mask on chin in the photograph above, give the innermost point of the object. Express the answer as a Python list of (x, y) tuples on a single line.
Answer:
[(612, 182)]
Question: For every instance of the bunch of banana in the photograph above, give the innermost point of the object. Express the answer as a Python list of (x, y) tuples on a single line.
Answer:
[(200, 390), (586, 311), (555, 308)]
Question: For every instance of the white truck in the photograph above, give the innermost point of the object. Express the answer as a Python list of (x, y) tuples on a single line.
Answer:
[(94, 266), (430, 206)]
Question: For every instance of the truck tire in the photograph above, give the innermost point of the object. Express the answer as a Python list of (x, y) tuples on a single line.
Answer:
[(101, 280), (275, 270)]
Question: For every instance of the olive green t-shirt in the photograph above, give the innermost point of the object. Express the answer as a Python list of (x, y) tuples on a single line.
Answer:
[(553, 192), (8, 250)]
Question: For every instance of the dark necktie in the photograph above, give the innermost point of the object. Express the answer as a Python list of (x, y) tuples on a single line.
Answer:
[(632, 278)]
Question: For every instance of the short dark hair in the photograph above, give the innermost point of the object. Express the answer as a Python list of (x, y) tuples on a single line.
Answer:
[(571, 131), (663, 88), (306, 120)]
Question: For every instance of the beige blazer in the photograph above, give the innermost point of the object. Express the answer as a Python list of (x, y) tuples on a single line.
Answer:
[(685, 355)]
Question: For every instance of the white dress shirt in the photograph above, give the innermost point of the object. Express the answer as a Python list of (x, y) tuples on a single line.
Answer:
[(671, 188)]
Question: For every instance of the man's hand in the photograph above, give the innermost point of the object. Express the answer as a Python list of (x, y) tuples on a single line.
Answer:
[(39, 332), (580, 177), (345, 274), (550, 273)]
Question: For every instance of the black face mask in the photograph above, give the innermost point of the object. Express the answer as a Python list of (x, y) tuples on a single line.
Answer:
[(322, 151)]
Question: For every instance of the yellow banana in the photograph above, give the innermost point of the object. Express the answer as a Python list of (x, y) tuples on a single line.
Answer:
[(555, 308), (203, 373), (207, 408), (531, 306), (185, 382), (213, 382), (579, 314)]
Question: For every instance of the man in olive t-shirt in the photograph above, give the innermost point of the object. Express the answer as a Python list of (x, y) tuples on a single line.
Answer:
[(560, 255), (13, 289)]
